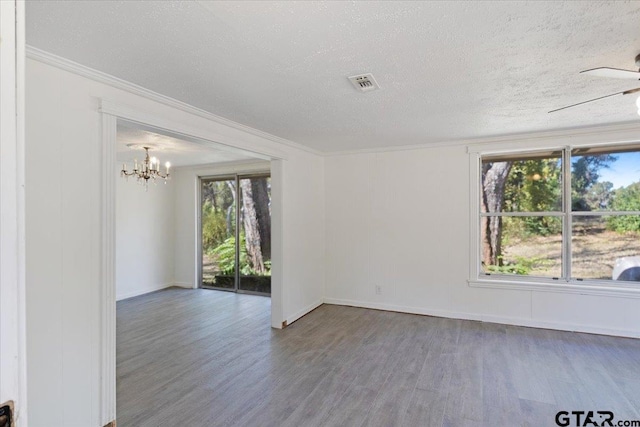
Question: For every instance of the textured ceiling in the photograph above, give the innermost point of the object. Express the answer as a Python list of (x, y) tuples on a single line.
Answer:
[(447, 70), (177, 151)]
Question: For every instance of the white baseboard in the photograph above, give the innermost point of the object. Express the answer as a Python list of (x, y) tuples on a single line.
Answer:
[(401, 309), (304, 311), (142, 291), (515, 321), (185, 285)]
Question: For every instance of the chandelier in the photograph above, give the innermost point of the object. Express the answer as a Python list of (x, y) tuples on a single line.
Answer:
[(149, 169)]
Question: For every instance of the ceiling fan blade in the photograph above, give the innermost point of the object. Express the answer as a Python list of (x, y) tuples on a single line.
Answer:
[(591, 100), (615, 73), (626, 92)]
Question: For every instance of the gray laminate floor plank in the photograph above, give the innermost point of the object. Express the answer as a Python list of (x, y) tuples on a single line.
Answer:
[(390, 407), (426, 408), (201, 358), (353, 408)]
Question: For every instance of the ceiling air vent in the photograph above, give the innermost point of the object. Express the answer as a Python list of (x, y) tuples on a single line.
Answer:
[(364, 82)]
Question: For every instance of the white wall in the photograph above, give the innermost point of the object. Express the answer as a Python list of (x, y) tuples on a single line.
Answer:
[(145, 233), (63, 217), (303, 240), (62, 240), (400, 220), (303, 263)]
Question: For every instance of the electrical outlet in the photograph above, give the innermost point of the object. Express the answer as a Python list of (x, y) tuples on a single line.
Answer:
[(378, 290)]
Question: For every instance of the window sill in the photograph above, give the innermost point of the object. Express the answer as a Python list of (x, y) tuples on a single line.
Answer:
[(572, 287)]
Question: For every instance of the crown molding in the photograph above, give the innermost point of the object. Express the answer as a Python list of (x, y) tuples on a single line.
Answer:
[(374, 150), (600, 134), (101, 77), (608, 133)]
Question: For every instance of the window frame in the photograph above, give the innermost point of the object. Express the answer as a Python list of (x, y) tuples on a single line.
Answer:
[(565, 283)]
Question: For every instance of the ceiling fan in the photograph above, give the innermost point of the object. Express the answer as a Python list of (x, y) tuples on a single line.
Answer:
[(615, 73)]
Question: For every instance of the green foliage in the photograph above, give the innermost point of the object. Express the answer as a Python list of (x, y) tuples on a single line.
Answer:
[(518, 228), (217, 214), (599, 195), (625, 199), (584, 174), (225, 255), (522, 266), (543, 226), (534, 186), (219, 193), (214, 227)]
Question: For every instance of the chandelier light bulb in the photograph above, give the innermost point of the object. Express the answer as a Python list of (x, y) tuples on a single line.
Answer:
[(168, 165), (638, 103)]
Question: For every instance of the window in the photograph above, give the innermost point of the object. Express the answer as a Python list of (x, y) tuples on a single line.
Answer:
[(567, 215)]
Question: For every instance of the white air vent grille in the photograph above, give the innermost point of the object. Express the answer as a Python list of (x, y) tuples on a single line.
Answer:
[(364, 82)]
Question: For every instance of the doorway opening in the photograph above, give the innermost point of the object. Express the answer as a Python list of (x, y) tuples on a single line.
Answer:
[(192, 155), (234, 226)]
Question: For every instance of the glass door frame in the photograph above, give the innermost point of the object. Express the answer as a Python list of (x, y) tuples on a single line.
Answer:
[(236, 177)]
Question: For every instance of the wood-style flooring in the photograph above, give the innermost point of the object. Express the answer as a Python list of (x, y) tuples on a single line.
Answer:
[(196, 358)]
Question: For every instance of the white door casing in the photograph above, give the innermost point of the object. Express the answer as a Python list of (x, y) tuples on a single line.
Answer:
[(12, 213)]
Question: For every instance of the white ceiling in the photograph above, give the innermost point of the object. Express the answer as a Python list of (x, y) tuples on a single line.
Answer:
[(169, 148), (447, 70)]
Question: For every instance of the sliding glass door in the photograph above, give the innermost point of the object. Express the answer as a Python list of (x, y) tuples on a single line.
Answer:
[(235, 233), (218, 233), (255, 234)]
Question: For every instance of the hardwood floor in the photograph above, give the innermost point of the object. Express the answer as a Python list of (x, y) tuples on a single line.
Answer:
[(208, 358)]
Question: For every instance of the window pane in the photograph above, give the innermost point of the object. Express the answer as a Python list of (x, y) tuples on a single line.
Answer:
[(602, 242), (605, 180), (529, 183), (255, 235), (218, 233), (527, 246)]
